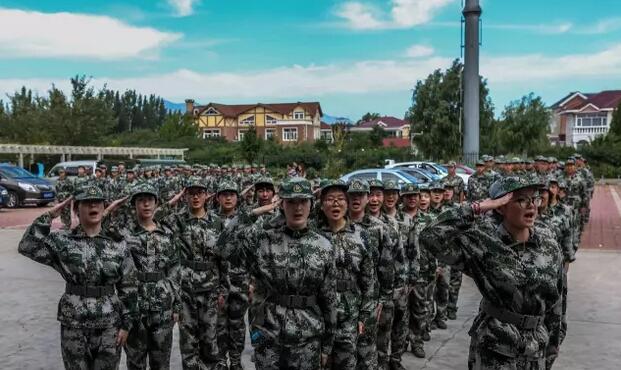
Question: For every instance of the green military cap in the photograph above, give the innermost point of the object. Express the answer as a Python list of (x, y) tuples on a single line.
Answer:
[(436, 185), (358, 186), (255, 165), (480, 162), (577, 156), (409, 189), (143, 188), (61, 170), (296, 188), (375, 183), (114, 168), (225, 166), (130, 170), (570, 161), (264, 180), (227, 185), (391, 185), (529, 161), (329, 184), (103, 165), (262, 166), (501, 160), (487, 158), (540, 158), (515, 160), (98, 169), (323, 182), (89, 193), (424, 188), (552, 160), (247, 167), (451, 164), (510, 184), (196, 182)]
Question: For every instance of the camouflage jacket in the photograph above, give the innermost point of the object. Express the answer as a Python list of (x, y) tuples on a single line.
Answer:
[(382, 245), (354, 271), (521, 277), (64, 188), (197, 237), (155, 252), (80, 181), (577, 195), (559, 219), (589, 179), (457, 183), (288, 262), (426, 261), (400, 231), (86, 261), (478, 186)]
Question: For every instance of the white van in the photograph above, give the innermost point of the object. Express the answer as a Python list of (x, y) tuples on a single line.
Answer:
[(71, 168)]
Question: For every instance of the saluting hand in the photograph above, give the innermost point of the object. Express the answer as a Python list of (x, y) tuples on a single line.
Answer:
[(489, 204), (176, 198), (115, 205), (57, 209)]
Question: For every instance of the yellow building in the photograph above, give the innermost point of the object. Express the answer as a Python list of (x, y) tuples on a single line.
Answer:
[(283, 122)]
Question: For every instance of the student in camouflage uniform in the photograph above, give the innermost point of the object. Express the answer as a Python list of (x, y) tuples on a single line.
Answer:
[(204, 277), (99, 304), (455, 275), (354, 272), (517, 267), (479, 183), (295, 298), (155, 254), (457, 182), (443, 271), (382, 247), (64, 189)]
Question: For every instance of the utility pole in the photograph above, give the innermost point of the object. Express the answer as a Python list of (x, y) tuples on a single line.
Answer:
[(471, 12)]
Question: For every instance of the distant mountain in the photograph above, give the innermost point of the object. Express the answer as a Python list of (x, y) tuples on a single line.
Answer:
[(330, 120), (170, 106)]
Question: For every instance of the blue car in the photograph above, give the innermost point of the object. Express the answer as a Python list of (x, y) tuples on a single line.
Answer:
[(4, 196), (25, 188), (382, 174)]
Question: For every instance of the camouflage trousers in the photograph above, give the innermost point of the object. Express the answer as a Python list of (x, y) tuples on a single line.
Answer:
[(366, 349), (384, 329), (197, 331), (441, 295), (270, 354), (421, 310), (400, 323), (484, 359), (344, 349), (454, 286), (151, 337), (237, 306), (89, 349)]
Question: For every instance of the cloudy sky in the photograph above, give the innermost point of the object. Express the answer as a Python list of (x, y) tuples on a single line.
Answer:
[(352, 56)]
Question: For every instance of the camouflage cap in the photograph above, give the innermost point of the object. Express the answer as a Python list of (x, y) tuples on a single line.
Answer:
[(424, 188), (487, 158), (130, 170), (480, 162), (114, 168), (570, 161), (577, 155), (329, 184), (510, 184), (436, 185), (227, 185), (296, 188), (264, 181), (515, 160), (410, 189), (540, 158), (247, 167), (89, 192), (391, 185), (196, 182), (143, 188), (501, 160), (451, 164), (529, 161), (375, 183), (358, 186)]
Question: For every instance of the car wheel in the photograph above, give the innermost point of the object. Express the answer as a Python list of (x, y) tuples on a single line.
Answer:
[(13, 201)]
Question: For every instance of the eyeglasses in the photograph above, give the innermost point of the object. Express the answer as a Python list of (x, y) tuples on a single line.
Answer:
[(196, 193), (340, 200), (524, 202)]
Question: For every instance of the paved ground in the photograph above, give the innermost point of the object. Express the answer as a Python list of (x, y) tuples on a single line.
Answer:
[(29, 338)]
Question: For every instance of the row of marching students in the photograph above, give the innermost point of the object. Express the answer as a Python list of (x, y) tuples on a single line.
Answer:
[(347, 281)]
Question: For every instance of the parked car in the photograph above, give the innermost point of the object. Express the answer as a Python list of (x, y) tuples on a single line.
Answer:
[(430, 167), (421, 175), (462, 171), (71, 168), (383, 174), (4, 196), (25, 188)]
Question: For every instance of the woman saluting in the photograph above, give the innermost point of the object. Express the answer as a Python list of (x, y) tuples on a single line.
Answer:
[(516, 266)]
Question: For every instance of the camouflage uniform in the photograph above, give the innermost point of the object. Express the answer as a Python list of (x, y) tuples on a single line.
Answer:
[(156, 258), (64, 189), (204, 278), (100, 296), (518, 325), (295, 299)]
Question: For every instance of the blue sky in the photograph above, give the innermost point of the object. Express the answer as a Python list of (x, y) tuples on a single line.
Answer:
[(352, 56)]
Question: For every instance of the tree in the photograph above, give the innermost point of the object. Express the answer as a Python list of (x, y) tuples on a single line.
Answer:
[(525, 125), (367, 117), (615, 124), (376, 136), (251, 145)]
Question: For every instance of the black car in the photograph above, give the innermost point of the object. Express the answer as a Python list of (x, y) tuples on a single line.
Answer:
[(25, 188), (4, 196)]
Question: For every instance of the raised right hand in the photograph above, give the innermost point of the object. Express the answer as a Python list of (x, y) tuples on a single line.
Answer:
[(57, 209)]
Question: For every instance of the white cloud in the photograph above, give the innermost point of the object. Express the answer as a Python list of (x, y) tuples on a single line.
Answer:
[(403, 14), (601, 27), (183, 8), (73, 35), (364, 77), (552, 28), (419, 51)]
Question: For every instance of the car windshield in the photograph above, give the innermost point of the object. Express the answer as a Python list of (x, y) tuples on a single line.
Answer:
[(15, 172)]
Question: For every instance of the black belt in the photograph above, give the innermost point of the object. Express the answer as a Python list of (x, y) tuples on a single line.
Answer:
[(150, 277), (89, 291), (345, 286), (197, 265), (527, 322), (295, 301)]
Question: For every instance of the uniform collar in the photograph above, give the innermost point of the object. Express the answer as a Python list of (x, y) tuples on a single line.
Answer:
[(295, 234)]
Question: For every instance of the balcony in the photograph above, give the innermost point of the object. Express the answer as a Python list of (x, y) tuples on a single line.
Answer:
[(597, 130)]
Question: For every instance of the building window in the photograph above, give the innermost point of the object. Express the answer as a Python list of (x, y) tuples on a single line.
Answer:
[(290, 134), (298, 115), (211, 132), (211, 112), (269, 120), (270, 133), (248, 121), (591, 120), (240, 134)]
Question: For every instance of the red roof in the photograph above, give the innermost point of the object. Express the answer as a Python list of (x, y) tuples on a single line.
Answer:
[(325, 126), (603, 100), (234, 110), (396, 142), (384, 122)]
